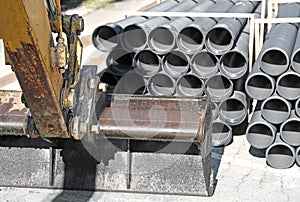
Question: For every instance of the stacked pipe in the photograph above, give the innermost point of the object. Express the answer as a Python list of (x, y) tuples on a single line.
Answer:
[(184, 56), (275, 83)]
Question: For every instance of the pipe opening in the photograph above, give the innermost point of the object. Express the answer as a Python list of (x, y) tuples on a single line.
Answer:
[(105, 38), (276, 104), (219, 40), (161, 40), (204, 64), (190, 85), (131, 83), (176, 63), (296, 62), (147, 63), (219, 87), (259, 86), (134, 37), (298, 157), (234, 60), (218, 82), (290, 80), (280, 156), (221, 134), (260, 136), (161, 84), (297, 107), (290, 132), (274, 62), (260, 81), (108, 78), (289, 86), (275, 111), (190, 38), (232, 111), (119, 61)]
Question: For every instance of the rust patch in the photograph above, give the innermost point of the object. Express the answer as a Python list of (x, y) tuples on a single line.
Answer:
[(38, 91)]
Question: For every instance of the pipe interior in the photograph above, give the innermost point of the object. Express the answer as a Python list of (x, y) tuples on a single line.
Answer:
[(298, 157), (280, 156), (161, 84), (232, 105), (161, 39), (234, 60), (277, 105), (190, 85), (260, 136), (275, 57), (296, 62), (218, 82), (147, 63), (291, 132), (131, 83), (134, 37), (119, 61), (108, 78), (219, 38), (290, 80), (190, 38), (219, 127), (204, 59), (190, 81), (297, 57), (260, 81), (107, 37), (221, 134), (176, 58)]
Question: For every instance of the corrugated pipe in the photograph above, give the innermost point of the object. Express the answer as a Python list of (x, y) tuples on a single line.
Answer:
[(162, 39), (191, 38), (221, 38), (204, 64), (147, 63), (119, 61), (260, 134), (190, 85), (131, 83), (290, 130), (176, 63), (221, 133), (259, 85), (135, 36), (280, 155), (161, 84), (276, 109), (219, 87), (288, 85), (106, 37), (233, 110)]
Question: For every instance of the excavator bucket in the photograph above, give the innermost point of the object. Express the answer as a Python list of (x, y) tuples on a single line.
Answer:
[(138, 144)]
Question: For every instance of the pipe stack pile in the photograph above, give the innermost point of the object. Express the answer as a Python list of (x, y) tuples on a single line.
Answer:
[(184, 56), (275, 83)]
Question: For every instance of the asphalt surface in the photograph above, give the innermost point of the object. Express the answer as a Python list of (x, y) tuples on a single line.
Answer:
[(241, 172)]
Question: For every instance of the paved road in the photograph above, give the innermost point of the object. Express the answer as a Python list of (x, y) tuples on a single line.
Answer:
[(241, 176)]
